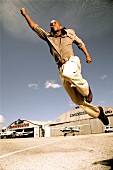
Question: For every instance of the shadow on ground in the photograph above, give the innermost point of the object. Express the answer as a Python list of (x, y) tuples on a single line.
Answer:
[(108, 162)]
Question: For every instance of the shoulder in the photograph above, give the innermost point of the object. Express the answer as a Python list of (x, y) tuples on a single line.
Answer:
[(70, 32), (50, 34)]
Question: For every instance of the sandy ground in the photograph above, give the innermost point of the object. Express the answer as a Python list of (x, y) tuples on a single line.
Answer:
[(85, 152)]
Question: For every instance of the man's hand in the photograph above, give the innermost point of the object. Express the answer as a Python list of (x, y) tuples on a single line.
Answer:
[(88, 59), (23, 11)]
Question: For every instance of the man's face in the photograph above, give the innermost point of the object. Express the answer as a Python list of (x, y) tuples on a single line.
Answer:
[(55, 26)]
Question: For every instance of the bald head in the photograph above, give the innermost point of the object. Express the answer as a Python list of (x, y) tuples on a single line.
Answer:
[(55, 21), (55, 26)]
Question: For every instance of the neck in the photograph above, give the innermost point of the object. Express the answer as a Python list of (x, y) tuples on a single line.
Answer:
[(58, 32)]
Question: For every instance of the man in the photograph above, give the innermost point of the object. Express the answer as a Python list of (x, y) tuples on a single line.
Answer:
[(60, 42)]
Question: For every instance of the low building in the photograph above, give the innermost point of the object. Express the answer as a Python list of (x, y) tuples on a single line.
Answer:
[(78, 118), (28, 128)]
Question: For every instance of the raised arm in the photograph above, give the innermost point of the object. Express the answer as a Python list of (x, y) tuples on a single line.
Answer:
[(27, 17), (40, 32)]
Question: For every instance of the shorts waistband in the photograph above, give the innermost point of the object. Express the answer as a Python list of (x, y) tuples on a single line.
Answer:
[(63, 61)]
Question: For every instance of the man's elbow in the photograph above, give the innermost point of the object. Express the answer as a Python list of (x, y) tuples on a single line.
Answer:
[(32, 25), (81, 46)]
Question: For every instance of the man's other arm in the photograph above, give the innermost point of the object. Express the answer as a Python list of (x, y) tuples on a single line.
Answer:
[(82, 46), (88, 57)]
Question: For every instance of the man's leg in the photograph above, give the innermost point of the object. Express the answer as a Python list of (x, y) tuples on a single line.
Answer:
[(91, 110), (78, 88), (78, 99), (89, 97), (72, 73)]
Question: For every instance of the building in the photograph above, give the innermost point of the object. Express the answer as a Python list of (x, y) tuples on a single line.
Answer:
[(78, 118), (28, 128)]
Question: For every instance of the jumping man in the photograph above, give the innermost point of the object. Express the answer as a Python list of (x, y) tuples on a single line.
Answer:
[(60, 40)]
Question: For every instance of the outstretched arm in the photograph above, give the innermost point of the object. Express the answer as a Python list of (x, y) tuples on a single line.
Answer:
[(28, 19), (41, 33)]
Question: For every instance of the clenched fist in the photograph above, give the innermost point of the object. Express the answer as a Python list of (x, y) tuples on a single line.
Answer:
[(23, 11)]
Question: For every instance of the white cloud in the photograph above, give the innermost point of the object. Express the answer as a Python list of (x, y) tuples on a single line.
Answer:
[(33, 86), (52, 84), (102, 101), (103, 77), (1, 119)]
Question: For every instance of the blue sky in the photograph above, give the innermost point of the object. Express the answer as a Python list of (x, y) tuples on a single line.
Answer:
[(30, 86)]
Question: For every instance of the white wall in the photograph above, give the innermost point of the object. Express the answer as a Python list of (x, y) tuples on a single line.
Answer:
[(36, 131), (47, 131)]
